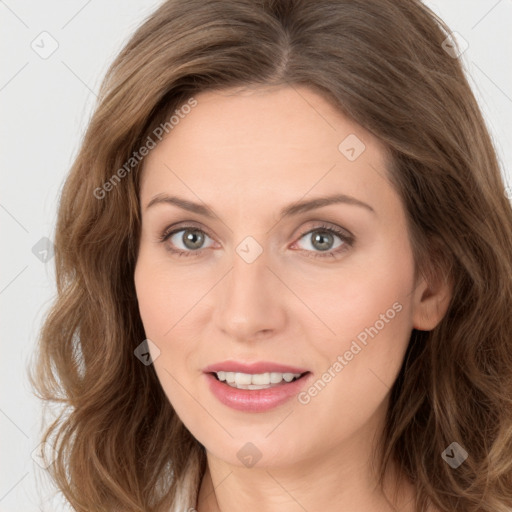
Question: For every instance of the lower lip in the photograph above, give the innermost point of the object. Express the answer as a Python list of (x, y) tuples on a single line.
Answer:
[(255, 400)]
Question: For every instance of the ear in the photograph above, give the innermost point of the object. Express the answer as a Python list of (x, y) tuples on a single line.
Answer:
[(431, 299)]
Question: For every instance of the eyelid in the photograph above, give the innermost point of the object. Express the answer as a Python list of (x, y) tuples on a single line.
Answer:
[(183, 225), (321, 224)]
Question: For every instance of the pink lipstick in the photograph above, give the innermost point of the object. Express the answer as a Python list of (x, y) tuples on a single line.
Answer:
[(255, 387)]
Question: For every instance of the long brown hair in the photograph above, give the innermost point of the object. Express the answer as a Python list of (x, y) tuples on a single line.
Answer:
[(120, 445)]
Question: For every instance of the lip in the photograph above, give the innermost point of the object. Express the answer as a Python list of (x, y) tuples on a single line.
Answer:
[(257, 367), (256, 400)]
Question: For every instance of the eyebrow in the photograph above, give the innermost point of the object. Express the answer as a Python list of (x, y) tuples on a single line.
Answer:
[(287, 211)]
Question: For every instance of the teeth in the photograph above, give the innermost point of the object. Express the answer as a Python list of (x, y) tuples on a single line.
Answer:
[(255, 381)]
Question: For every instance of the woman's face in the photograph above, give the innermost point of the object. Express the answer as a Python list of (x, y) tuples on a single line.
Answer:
[(239, 282)]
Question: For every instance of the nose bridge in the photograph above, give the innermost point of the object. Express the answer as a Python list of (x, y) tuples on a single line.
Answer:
[(248, 302), (248, 278)]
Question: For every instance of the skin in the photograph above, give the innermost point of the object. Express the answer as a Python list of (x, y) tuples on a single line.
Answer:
[(248, 153)]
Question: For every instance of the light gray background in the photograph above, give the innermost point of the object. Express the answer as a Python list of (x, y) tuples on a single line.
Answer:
[(46, 104)]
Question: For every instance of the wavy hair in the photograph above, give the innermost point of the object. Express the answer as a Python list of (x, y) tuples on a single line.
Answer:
[(120, 445)]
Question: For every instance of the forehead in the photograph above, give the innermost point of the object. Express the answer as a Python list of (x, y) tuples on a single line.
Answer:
[(260, 142), (278, 117)]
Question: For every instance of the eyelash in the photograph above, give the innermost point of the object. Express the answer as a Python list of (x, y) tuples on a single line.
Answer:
[(347, 240)]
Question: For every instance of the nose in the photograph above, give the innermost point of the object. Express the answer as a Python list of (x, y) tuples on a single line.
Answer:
[(250, 300)]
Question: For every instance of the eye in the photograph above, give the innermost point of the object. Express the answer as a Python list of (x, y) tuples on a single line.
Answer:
[(188, 239), (321, 239)]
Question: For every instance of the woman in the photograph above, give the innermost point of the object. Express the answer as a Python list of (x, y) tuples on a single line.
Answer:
[(283, 259)]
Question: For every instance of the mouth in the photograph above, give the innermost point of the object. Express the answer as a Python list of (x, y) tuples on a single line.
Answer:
[(257, 381), (256, 392), (257, 386)]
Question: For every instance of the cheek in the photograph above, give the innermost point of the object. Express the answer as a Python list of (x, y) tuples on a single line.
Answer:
[(151, 300), (372, 318), (164, 294), (159, 299), (372, 322), (352, 297), (169, 301)]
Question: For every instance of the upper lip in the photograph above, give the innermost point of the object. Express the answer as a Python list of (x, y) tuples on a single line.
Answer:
[(256, 367)]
